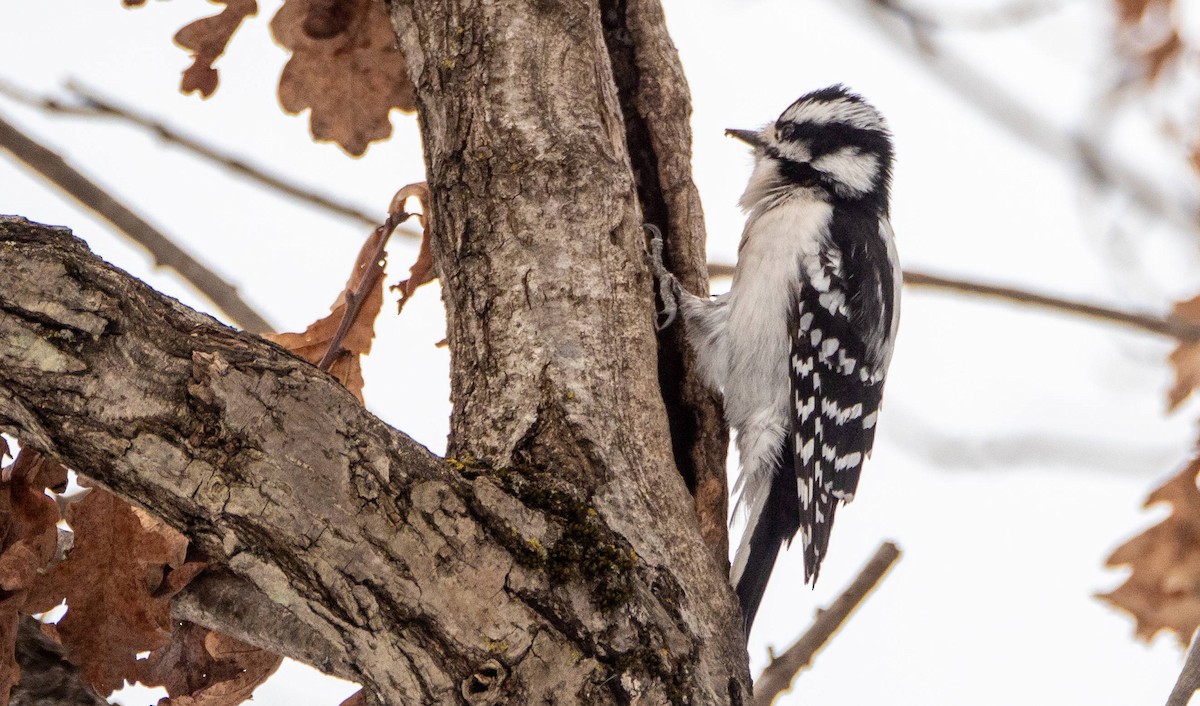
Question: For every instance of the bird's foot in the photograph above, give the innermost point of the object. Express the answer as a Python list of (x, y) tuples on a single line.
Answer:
[(668, 286)]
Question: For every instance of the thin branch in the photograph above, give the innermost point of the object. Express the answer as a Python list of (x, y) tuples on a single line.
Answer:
[(1164, 326), (916, 34), (1011, 14), (220, 601), (108, 108), (779, 674), (1175, 328), (165, 252), (1189, 678), (92, 105)]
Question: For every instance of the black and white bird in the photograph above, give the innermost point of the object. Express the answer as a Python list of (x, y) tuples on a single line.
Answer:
[(801, 343)]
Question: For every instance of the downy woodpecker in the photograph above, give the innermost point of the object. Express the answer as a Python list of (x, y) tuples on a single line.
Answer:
[(800, 344)]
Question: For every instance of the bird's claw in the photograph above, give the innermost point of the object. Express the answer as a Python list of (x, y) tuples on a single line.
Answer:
[(668, 286)]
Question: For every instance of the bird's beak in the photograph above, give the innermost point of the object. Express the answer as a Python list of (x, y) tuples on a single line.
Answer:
[(750, 137)]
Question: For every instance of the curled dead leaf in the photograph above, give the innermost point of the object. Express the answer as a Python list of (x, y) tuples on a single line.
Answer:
[(356, 336), (421, 271), (337, 342), (207, 38), (345, 67), (1163, 588)]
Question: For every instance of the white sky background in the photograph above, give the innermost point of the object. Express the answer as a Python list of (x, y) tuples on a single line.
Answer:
[(1016, 445)]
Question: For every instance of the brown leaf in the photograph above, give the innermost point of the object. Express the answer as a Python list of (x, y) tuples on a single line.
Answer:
[(204, 668), (28, 539), (1148, 34), (117, 584), (1163, 589), (345, 66), (422, 270), (358, 698), (1132, 11), (312, 344), (1185, 359), (207, 39)]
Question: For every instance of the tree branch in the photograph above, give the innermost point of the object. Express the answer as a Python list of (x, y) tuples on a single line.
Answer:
[(165, 252), (221, 601), (417, 572), (915, 33), (93, 105), (1189, 678), (777, 677), (1173, 327), (1180, 329)]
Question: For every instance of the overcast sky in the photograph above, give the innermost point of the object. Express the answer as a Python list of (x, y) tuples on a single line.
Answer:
[(1015, 447)]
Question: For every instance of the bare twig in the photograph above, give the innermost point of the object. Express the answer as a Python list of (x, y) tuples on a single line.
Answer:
[(231, 162), (1016, 12), (916, 34), (166, 253), (1189, 678), (777, 677), (1165, 326), (92, 105)]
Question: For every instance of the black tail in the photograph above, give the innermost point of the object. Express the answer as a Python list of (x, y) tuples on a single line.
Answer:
[(777, 524)]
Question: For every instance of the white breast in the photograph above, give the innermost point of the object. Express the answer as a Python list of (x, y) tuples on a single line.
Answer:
[(775, 245)]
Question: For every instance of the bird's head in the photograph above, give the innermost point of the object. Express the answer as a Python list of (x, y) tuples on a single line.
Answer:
[(830, 140)]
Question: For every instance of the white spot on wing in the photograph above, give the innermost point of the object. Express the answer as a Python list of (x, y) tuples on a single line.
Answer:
[(850, 460)]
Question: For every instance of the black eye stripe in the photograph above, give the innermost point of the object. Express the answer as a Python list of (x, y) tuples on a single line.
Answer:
[(823, 138)]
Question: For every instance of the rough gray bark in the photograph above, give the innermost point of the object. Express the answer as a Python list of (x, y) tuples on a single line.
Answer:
[(539, 246), (431, 581), (552, 131), (656, 109)]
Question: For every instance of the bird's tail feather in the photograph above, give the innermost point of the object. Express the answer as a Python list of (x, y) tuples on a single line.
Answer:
[(769, 528)]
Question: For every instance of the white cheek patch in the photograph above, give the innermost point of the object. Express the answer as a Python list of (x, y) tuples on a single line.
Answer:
[(856, 170)]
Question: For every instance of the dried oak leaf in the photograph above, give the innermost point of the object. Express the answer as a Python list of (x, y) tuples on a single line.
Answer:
[(118, 581), (1185, 359), (345, 66), (28, 539), (422, 270), (1163, 588), (1147, 33), (204, 668), (207, 38), (313, 343)]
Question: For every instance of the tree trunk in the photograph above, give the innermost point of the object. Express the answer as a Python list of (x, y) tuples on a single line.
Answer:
[(556, 556)]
